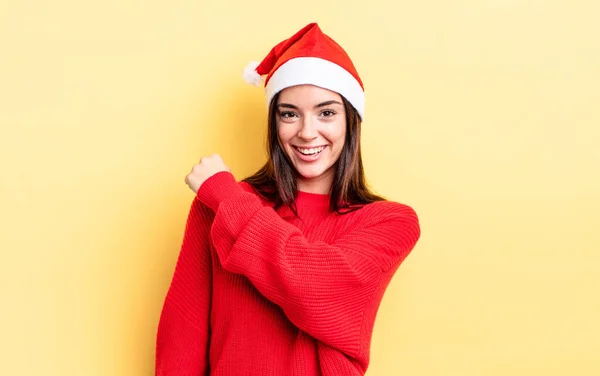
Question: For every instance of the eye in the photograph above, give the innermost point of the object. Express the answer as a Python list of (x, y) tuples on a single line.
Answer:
[(287, 114), (328, 113)]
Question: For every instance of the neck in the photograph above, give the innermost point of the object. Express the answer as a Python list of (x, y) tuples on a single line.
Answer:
[(319, 185)]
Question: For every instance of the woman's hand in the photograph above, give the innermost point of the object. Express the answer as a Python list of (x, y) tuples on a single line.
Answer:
[(207, 167)]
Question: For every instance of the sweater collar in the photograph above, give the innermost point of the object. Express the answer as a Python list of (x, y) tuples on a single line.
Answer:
[(312, 200)]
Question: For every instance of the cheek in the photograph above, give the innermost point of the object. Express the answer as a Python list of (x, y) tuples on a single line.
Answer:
[(282, 134), (337, 134), (284, 137)]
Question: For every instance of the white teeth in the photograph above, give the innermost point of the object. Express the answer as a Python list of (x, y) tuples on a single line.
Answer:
[(311, 150)]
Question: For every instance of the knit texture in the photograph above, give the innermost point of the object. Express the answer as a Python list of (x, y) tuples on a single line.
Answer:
[(264, 293)]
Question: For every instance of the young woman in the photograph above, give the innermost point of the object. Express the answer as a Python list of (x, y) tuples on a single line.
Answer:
[(283, 273)]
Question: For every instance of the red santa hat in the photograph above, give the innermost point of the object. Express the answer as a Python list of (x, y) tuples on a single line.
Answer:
[(309, 57)]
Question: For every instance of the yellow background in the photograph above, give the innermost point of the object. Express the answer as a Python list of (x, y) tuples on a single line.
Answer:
[(482, 115)]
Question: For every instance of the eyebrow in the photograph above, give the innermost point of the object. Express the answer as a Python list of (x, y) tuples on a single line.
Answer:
[(328, 103)]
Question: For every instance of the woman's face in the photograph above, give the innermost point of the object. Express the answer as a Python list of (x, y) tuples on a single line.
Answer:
[(311, 126)]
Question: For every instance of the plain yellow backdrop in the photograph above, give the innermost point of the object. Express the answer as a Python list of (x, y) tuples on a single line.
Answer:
[(482, 115)]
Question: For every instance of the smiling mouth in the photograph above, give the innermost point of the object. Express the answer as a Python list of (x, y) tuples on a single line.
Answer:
[(310, 151)]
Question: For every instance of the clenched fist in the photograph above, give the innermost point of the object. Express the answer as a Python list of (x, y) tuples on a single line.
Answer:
[(207, 167)]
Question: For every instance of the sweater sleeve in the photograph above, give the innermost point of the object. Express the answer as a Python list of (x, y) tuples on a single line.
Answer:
[(183, 329), (326, 290)]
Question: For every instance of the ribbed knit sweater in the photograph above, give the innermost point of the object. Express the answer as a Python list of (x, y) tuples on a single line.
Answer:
[(261, 292)]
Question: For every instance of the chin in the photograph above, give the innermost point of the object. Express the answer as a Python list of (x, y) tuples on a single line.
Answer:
[(311, 173)]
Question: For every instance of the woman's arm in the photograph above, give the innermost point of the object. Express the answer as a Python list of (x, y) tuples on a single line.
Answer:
[(330, 291), (183, 330)]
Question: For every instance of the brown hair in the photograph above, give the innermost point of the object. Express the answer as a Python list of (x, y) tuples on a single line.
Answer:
[(276, 180)]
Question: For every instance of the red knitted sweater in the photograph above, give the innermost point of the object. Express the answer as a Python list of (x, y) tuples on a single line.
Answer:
[(260, 292)]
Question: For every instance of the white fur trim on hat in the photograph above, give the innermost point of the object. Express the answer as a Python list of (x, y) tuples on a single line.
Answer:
[(250, 74), (318, 72)]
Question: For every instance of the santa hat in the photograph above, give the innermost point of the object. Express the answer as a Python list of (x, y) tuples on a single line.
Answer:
[(309, 57)]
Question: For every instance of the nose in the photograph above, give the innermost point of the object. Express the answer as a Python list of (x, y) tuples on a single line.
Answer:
[(308, 130)]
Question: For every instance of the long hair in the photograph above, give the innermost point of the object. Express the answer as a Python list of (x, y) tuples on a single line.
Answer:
[(276, 180)]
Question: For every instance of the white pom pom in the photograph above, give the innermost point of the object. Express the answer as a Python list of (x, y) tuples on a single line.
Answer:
[(250, 75)]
